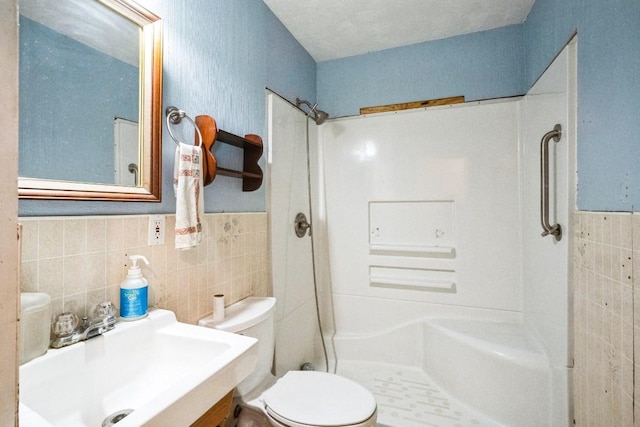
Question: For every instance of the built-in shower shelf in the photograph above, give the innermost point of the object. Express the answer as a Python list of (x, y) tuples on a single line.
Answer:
[(412, 278), (413, 250), (392, 282)]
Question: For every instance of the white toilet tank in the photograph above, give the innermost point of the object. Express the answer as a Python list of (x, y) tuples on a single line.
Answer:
[(253, 317)]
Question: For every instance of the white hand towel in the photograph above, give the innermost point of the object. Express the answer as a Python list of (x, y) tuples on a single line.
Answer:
[(187, 184)]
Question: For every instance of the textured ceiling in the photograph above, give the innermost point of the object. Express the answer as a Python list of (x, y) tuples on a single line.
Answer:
[(330, 29)]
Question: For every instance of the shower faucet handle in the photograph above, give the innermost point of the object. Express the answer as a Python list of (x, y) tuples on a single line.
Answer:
[(300, 225)]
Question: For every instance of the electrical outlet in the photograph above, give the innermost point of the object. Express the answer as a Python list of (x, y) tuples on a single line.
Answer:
[(156, 230)]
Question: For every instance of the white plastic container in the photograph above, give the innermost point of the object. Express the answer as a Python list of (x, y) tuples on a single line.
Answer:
[(134, 292), (35, 325)]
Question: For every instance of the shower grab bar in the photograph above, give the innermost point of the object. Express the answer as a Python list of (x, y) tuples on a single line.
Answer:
[(554, 230)]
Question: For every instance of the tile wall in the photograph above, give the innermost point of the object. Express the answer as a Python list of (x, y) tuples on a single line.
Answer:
[(80, 261), (607, 252)]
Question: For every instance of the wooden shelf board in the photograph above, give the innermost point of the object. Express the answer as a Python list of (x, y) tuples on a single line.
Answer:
[(237, 174), (235, 140)]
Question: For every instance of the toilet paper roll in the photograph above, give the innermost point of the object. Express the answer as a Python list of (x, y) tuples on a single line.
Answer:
[(218, 308)]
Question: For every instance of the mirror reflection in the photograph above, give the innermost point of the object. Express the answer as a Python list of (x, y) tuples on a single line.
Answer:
[(90, 87), (78, 93)]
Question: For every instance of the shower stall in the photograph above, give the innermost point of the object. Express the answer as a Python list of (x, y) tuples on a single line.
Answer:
[(432, 281)]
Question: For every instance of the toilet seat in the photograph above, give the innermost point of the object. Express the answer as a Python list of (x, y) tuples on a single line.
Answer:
[(309, 398)]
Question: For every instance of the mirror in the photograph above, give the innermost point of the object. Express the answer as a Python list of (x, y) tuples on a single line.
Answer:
[(90, 101)]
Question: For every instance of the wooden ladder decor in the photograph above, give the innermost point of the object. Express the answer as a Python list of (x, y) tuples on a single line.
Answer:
[(251, 173)]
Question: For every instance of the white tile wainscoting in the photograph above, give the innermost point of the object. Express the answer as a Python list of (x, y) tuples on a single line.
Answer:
[(605, 284), (80, 261)]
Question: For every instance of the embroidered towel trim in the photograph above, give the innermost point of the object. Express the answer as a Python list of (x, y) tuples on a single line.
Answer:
[(187, 184)]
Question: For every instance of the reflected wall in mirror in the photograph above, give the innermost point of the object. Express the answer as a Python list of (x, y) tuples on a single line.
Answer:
[(90, 100)]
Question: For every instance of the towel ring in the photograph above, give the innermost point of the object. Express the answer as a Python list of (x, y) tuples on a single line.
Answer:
[(175, 116)]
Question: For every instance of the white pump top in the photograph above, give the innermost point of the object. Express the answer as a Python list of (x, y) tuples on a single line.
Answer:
[(135, 271)]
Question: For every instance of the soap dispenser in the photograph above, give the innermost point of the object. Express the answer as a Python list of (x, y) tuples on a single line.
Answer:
[(134, 292)]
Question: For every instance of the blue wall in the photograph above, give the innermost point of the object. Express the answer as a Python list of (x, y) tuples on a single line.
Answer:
[(67, 108), (608, 92), (507, 62), (219, 56), (488, 64)]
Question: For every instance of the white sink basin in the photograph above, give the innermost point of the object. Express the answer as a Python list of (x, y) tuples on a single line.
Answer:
[(168, 372)]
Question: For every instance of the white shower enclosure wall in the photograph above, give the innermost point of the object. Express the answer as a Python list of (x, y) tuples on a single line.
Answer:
[(436, 289)]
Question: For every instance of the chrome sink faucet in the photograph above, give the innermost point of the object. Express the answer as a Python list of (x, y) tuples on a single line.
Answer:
[(67, 328)]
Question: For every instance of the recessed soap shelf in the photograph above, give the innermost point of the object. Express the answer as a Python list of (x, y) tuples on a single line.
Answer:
[(412, 250)]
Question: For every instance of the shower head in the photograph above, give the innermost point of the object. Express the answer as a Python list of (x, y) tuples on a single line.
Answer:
[(319, 116)]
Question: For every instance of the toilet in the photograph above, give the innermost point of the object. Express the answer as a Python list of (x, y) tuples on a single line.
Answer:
[(299, 398)]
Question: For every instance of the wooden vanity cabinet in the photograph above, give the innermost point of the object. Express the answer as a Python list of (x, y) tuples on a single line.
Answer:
[(217, 414)]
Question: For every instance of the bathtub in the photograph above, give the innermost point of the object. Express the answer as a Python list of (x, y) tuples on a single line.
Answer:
[(451, 371)]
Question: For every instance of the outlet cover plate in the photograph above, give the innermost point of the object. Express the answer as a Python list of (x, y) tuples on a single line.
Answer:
[(156, 230)]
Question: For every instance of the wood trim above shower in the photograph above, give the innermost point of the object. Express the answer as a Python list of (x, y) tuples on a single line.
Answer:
[(411, 105)]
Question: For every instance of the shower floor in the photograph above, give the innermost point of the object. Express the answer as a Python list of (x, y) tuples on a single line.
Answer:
[(407, 397)]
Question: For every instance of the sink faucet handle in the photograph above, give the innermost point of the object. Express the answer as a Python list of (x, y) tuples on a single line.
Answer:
[(104, 309), (64, 324)]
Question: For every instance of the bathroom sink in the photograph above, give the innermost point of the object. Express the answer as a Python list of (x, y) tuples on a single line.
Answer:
[(167, 372)]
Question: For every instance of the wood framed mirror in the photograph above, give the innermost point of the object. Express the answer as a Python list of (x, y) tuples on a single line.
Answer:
[(90, 101)]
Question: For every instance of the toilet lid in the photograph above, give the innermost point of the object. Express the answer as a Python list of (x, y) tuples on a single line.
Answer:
[(309, 398)]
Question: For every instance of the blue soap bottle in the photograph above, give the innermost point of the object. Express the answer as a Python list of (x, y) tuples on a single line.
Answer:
[(134, 292)]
